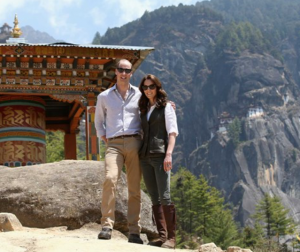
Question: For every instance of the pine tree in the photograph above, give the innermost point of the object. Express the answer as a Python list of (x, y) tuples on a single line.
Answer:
[(224, 231), (274, 217), (252, 236), (200, 211), (281, 223), (182, 194), (234, 131), (208, 200), (81, 147), (55, 146)]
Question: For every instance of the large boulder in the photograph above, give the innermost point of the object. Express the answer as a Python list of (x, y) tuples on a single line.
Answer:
[(66, 193)]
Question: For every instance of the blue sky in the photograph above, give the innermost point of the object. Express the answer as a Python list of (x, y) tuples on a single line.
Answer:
[(77, 21)]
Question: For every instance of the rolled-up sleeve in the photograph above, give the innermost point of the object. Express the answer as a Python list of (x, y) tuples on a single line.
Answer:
[(100, 116), (171, 119)]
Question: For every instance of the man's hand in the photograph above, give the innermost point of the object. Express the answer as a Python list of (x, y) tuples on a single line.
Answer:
[(104, 139)]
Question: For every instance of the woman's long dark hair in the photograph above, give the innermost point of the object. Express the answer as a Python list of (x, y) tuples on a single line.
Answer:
[(161, 95)]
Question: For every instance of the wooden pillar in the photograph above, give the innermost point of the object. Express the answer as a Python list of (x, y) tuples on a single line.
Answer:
[(92, 141), (70, 146)]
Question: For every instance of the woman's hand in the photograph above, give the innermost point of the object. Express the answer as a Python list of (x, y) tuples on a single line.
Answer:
[(168, 162), (173, 104)]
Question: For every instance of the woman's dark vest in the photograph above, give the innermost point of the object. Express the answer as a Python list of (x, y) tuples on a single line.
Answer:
[(155, 140)]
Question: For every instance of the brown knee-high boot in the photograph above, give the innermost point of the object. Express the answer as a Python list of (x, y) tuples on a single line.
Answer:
[(160, 225), (170, 217)]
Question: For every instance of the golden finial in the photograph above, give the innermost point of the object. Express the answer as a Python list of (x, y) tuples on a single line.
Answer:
[(16, 31)]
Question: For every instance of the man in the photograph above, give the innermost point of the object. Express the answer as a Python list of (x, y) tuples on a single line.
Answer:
[(117, 122)]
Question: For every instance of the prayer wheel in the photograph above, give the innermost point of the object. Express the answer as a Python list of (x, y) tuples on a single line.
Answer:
[(22, 131)]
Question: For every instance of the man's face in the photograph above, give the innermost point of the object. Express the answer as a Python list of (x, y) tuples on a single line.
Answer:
[(122, 76)]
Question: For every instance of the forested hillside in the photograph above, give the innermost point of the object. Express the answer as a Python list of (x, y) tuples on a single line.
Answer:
[(277, 19)]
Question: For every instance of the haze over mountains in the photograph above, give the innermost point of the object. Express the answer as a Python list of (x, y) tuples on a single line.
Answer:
[(221, 60)]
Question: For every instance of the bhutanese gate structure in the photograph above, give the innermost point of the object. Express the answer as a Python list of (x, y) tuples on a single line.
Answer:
[(48, 87)]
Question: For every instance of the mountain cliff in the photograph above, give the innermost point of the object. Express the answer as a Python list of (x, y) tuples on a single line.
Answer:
[(216, 70)]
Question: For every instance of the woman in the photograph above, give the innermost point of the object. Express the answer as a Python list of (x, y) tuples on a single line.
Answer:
[(159, 125)]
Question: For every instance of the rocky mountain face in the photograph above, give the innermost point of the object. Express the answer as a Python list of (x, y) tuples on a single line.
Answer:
[(267, 159), (35, 36)]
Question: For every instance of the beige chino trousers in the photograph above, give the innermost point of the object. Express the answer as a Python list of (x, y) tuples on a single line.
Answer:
[(122, 151)]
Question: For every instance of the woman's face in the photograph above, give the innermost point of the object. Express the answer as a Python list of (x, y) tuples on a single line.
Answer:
[(150, 89)]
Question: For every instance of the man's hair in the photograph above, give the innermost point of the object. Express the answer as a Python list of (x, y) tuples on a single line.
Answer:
[(119, 62)]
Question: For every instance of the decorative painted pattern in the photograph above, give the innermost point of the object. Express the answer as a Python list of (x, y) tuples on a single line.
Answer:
[(37, 72), (10, 81), (96, 67), (79, 82), (24, 81), (67, 98), (20, 153), (66, 73), (93, 140), (11, 72), (80, 74), (51, 73), (22, 131), (50, 82), (24, 65), (37, 82), (65, 82), (51, 65), (18, 135), (66, 66), (11, 64), (24, 72), (71, 51), (37, 65)]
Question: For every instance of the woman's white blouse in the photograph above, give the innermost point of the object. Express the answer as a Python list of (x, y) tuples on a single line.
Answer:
[(170, 117)]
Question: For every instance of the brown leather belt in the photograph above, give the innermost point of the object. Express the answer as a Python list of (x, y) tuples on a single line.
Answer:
[(123, 136)]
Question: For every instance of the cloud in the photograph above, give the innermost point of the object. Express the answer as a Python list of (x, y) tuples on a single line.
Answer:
[(58, 16), (134, 9), (99, 17), (127, 11), (11, 6), (55, 6)]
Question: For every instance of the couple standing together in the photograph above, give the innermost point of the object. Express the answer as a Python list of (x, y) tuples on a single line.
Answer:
[(139, 128)]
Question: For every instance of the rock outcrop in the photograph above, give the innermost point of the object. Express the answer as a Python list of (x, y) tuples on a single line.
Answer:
[(9, 222), (66, 193)]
